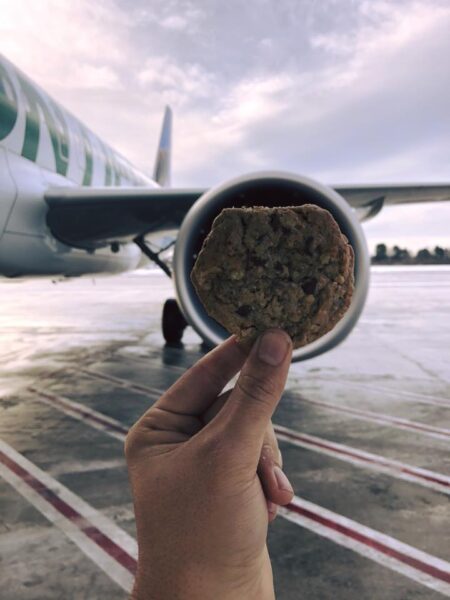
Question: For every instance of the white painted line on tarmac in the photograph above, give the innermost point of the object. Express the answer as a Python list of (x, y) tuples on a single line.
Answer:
[(399, 394), (419, 397), (365, 415), (423, 398), (394, 468), (150, 361), (375, 462), (407, 395), (99, 538), (424, 568), (83, 413), (136, 387)]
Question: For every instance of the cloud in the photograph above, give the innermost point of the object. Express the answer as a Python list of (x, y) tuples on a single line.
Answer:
[(343, 92), (254, 100), (49, 36), (78, 52), (221, 137), (177, 83), (94, 76), (175, 22), (182, 16), (383, 90)]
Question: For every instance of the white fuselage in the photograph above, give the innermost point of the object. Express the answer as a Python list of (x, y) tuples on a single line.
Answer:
[(42, 145)]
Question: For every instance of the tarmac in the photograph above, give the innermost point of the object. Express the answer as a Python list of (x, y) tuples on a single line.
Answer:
[(364, 431)]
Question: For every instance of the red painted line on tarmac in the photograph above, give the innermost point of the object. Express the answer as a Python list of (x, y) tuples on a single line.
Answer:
[(353, 453), (289, 435), (310, 442), (372, 543), (353, 531), (143, 389), (366, 414), (426, 477), (89, 530), (87, 415), (397, 394)]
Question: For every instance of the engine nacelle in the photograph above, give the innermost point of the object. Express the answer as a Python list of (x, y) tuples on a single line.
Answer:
[(266, 189)]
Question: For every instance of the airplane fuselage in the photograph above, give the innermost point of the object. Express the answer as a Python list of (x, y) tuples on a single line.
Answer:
[(42, 145)]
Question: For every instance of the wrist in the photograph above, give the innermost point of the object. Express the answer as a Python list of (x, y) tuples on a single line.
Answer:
[(201, 587)]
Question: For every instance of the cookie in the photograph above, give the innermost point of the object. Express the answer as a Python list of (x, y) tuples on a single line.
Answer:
[(286, 267)]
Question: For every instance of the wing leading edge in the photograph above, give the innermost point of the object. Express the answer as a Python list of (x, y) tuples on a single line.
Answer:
[(94, 217), (368, 200)]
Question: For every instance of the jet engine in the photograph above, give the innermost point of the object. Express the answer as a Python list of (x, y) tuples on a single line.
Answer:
[(266, 189)]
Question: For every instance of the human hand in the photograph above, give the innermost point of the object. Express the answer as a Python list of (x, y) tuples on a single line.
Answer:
[(202, 476)]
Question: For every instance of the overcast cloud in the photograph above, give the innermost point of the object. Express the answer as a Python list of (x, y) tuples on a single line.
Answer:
[(340, 90)]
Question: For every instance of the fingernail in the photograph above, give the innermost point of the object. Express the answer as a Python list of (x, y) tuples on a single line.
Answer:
[(283, 482), (273, 347)]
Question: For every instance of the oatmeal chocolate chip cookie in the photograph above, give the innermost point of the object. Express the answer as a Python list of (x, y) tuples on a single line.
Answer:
[(287, 267)]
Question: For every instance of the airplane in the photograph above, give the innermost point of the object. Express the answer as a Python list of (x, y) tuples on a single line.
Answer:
[(70, 205)]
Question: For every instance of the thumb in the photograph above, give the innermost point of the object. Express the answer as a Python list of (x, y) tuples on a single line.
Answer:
[(249, 408)]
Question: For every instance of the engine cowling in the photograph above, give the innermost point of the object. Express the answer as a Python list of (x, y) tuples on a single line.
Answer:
[(266, 189)]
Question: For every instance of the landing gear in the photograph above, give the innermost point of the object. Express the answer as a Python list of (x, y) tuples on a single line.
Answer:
[(154, 256), (173, 322)]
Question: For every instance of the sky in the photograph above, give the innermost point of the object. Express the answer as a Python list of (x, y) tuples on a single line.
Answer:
[(343, 91)]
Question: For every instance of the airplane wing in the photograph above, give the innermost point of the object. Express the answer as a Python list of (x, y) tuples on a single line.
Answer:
[(92, 217), (368, 200), (87, 217)]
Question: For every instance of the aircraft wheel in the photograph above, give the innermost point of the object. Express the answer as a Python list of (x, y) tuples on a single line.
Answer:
[(173, 322)]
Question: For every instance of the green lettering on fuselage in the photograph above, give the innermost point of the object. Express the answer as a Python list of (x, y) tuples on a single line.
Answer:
[(21, 100), (115, 169), (8, 104), (108, 166), (55, 122), (89, 162), (108, 172)]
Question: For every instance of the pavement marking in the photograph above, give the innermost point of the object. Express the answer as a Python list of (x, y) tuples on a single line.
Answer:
[(99, 538), (396, 469), (142, 358), (69, 467), (422, 398), (80, 411), (136, 387), (401, 394), (424, 568), (365, 415)]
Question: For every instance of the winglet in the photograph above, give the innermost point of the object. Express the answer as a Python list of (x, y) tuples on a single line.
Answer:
[(161, 173)]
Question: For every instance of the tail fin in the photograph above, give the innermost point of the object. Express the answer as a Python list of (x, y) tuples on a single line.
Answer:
[(161, 173)]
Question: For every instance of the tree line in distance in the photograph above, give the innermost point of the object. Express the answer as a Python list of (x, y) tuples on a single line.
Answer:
[(402, 256)]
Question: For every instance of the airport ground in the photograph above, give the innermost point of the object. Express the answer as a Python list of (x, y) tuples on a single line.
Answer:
[(364, 432)]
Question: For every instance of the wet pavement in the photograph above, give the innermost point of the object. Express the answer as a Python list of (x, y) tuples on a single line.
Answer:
[(364, 432)]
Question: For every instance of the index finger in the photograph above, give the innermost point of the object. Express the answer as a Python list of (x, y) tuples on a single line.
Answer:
[(250, 406), (197, 389)]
